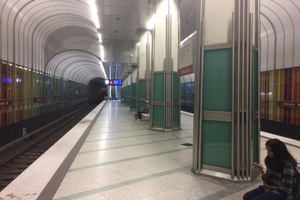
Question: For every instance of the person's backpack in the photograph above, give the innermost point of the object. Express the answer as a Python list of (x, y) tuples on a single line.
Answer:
[(296, 192)]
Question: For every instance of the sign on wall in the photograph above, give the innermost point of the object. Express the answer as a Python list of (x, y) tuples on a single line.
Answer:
[(6, 103), (113, 82), (291, 104), (186, 52)]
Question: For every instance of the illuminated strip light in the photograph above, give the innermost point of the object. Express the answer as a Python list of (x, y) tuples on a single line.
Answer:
[(94, 12), (100, 37), (102, 53), (151, 22), (101, 65), (97, 24), (188, 37)]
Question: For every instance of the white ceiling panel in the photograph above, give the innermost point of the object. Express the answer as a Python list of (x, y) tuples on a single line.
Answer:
[(282, 16)]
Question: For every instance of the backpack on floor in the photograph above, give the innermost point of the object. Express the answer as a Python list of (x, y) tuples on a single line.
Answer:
[(296, 192)]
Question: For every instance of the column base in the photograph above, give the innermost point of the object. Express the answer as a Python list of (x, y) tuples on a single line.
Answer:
[(166, 130), (210, 173)]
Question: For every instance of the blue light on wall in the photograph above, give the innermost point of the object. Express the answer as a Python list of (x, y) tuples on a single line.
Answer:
[(6, 80)]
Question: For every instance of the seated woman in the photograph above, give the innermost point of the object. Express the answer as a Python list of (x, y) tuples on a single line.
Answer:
[(143, 110), (279, 181)]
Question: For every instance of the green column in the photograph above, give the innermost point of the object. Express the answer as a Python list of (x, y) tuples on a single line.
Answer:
[(159, 103), (165, 108), (226, 123)]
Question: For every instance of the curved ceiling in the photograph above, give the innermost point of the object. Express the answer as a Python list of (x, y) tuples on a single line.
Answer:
[(60, 37), (75, 65), (280, 34)]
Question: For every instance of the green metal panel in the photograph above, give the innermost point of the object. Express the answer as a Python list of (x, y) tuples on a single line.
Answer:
[(217, 80), (176, 113), (133, 103), (128, 93), (133, 96), (128, 101), (158, 95), (158, 87), (122, 93), (158, 116), (125, 94), (133, 93), (216, 144), (141, 93), (128, 90), (125, 97), (175, 87)]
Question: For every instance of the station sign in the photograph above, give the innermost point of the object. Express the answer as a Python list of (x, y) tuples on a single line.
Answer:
[(6, 103), (185, 70), (6, 80), (292, 104), (113, 82), (185, 56), (37, 100)]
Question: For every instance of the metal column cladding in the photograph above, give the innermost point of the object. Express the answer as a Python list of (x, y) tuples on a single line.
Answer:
[(245, 81), (198, 86), (165, 100), (168, 71), (226, 89)]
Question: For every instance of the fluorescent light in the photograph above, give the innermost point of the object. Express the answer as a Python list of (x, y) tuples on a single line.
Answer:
[(151, 22), (103, 70), (100, 37), (188, 37), (102, 52), (94, 12)]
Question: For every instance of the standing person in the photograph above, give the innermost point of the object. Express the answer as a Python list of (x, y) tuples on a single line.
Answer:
[(280, 177)]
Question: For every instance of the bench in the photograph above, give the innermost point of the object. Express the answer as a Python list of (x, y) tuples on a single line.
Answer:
[(145, 116)]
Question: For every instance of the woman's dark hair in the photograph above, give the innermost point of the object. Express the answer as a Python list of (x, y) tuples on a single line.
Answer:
[(281, 156)]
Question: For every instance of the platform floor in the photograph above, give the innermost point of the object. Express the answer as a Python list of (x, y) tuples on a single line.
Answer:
[(123, 159)]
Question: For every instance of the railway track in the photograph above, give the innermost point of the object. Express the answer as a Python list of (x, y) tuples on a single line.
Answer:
[(15, 159)]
